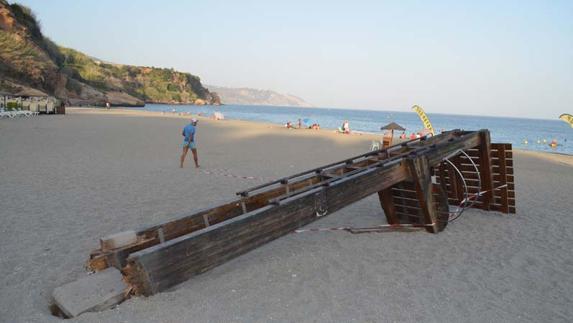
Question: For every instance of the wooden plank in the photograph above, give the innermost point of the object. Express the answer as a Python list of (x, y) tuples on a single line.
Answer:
[(438, 151), (497, 180), (411, 211), (406, 202), (420, 172), (508, 170), (442, 178), (498, 145), (501, 152), (485, 168), (510, 195), (474, 177), (503, 177), (410, 219), (404, 193), (499, 208)]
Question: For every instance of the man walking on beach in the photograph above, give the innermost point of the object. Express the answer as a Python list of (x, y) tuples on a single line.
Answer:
[(189, 142)]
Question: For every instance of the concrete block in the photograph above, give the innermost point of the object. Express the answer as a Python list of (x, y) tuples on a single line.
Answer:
[(118, 240), (93, 293)]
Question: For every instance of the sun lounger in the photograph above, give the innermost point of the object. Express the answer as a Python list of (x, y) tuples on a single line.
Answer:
[(24, 113), (7, 114), (17, 113)]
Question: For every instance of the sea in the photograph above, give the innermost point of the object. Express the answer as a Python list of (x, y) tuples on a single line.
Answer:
[(527, 134)]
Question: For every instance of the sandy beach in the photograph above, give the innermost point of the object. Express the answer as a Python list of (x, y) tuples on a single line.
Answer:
[(67, 180)]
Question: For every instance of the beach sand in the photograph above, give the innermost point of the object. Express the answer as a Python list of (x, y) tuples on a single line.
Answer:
[(67, 180)]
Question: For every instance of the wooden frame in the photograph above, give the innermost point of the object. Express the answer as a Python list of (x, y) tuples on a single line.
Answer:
[(173, 251)]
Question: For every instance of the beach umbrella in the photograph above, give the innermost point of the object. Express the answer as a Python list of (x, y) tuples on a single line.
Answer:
[(393, 126)]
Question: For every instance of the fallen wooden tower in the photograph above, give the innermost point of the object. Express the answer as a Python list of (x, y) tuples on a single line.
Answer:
[(417, 183)]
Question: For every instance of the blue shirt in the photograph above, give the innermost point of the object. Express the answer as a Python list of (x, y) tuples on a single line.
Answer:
[(189, 131)]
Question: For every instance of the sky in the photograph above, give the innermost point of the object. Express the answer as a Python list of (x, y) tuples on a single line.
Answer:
[(498, 58)]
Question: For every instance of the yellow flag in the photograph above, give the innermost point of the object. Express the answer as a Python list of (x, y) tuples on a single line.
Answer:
[(424, 118), (567, 118)]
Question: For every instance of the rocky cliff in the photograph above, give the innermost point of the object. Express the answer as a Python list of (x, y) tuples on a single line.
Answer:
[(31, 62)]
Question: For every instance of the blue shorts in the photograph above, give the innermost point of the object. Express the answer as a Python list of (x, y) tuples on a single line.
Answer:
[(190, 144)]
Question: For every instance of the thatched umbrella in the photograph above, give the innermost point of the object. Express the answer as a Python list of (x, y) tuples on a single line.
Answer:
[(393, 126)]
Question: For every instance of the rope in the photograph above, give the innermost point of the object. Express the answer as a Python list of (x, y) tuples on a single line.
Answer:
[(226, 173), (378, 228), (391, 227)]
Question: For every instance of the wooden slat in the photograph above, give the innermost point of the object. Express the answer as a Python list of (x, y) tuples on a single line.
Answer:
[(404, 193), (408, 210), (408, 218), (508, 170), (499, 153), (498, 145), (406, 201)]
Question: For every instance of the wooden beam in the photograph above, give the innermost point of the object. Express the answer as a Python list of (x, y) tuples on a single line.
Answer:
[(421, 176), (485, 166), (159, 267), (503, 177)]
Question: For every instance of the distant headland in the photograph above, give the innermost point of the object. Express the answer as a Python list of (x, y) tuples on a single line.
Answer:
[(249, 96)]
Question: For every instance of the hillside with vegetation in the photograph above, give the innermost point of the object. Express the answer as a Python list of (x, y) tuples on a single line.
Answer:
[(31, 63)]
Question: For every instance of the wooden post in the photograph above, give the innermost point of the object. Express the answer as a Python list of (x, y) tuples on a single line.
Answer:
[(503, 177), (455, 180), (421, 175), (485, 167)]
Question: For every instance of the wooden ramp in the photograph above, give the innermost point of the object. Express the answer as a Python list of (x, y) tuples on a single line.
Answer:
[(413, 181)]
